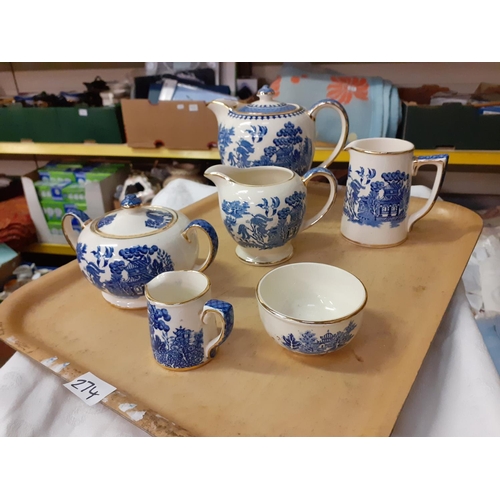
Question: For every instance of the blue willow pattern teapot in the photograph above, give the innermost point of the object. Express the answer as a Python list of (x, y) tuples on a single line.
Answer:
[(271, 133)]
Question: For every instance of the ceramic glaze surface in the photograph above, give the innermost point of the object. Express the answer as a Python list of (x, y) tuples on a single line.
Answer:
[(122, 251), (183, 331), (375, 211), (268, 132), (311, 308), (264, 210)]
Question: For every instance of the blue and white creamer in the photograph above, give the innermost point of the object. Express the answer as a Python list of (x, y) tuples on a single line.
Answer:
[(375, 211)]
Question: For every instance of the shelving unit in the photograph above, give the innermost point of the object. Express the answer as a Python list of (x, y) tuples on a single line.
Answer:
[(487, 158)]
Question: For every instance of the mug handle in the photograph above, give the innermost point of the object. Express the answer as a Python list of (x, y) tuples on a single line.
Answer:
[(331, 103), (440, 162), (225, 311), (315, 172), (212, 237), (67, 228)]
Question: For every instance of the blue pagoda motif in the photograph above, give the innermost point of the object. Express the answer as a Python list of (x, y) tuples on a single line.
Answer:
[(308, 343), (384, 201)]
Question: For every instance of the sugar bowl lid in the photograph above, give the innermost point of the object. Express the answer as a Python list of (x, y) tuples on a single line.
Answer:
[(133, 220), (266, 105)]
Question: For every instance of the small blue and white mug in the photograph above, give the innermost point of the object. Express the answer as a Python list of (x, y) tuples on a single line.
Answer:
[(182, 324)]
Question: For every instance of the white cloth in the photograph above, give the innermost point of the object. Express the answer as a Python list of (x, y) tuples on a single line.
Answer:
[(456, 393), (180, 193)]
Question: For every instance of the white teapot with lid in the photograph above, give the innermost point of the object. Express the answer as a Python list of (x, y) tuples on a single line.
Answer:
[(124, 250), (272, 133)]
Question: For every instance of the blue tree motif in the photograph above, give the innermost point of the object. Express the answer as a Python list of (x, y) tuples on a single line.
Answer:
[(158, 318), (290, 149), (308, 342), (290, 342), (182, 349), (225, 139)]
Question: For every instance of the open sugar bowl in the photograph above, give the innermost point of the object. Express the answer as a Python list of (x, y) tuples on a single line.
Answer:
[(311, 308)]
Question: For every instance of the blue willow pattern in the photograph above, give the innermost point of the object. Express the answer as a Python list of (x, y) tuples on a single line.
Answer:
[(385, 201), (308, 343), (128, 276), (255, 231), (182, 348), (106, 221), (158, 218), (290, 149)]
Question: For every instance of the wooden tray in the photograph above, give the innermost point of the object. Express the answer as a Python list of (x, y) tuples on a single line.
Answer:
[(254, 387)]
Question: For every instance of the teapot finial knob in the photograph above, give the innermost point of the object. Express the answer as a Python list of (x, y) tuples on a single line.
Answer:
[(131, 201), (266, 93)]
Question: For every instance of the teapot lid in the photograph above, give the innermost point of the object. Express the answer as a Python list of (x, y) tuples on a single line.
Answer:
[(266, 105), (133, 220)]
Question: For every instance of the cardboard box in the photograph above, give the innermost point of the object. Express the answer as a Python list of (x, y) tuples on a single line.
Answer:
[(188, 125), (63, 125), (98, 197), (450, 126)]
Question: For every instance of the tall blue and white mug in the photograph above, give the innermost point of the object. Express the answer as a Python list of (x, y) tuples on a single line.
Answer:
[(182, 325), (375, 211)]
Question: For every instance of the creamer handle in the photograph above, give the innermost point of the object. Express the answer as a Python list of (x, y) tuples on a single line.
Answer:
[(315, 172)]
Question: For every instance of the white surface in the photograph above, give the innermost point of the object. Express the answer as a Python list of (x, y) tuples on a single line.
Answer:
[(456, 393)]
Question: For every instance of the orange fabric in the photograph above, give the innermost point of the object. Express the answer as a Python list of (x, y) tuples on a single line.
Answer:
[(344, 88), (16, 227)]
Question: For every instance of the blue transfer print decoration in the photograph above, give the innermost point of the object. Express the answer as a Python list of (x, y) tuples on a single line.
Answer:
[(79, 213), (158, 218), (108, 219), (384, 201), (209, 229), (131, 201), (125, 274), (260, 230), (226, 309), (290, 148), (225, 139), (181, 348), (434, 157), (308, 343)]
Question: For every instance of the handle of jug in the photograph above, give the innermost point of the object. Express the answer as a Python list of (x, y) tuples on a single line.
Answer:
[(226, 314), (331, 103), (440, 162), (315, 172)]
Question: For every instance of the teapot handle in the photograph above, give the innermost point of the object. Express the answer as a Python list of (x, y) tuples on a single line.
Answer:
[(212, 237), (331, 199), (330, 103), (67, 227)]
